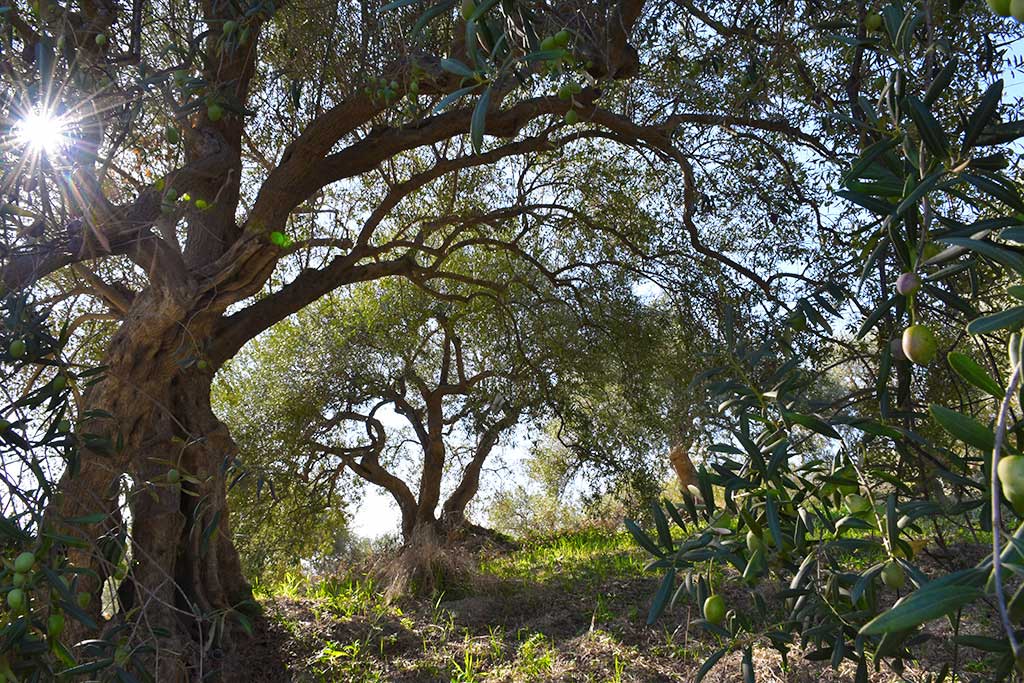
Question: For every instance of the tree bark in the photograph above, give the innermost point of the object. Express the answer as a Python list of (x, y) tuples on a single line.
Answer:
[(185, 574), (434, 455), (454, 509), (683, 466)]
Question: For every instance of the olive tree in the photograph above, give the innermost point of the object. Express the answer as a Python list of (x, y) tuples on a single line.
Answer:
[(222, 166), (411, 390)]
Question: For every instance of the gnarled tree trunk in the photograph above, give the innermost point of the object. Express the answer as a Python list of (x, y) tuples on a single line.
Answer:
[(185, 573)]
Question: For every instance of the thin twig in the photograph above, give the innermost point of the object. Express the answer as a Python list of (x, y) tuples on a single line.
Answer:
[(997, 564)]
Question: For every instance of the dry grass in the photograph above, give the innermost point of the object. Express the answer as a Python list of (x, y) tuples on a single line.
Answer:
[(426, 566)]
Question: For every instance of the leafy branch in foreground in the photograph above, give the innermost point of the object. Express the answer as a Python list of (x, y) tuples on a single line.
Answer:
[(831, 489)]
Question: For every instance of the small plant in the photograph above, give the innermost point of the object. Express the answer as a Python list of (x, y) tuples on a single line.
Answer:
[(495, 640), (536, 656), (601, 612), (467, 671), (618, 668)]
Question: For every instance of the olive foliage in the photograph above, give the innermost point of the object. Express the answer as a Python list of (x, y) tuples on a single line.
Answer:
[(838, 467)]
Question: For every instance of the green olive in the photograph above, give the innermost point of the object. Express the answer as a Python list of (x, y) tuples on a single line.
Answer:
[(999, 7), (16, 599), (754, 542), (714, 609), (23, 563), (55, 625), (919, 344), (1011, 479), (893, 576), (17, 348), (857, 503)]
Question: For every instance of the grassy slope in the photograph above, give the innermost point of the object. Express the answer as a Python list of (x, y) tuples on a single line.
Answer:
[(569, 608)]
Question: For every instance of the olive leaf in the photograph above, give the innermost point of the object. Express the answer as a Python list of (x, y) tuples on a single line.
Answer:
[(479, 120), (963, 427), (1012, 317), (982, 114), (925, 604), (928, 126), (966, 367)]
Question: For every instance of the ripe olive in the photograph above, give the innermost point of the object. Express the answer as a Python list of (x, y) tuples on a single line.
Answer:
[(908, 283)]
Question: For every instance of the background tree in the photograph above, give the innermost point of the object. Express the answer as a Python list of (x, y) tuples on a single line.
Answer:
[(412, 393)]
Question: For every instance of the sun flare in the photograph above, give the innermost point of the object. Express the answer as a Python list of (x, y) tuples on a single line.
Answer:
[(41, 132)]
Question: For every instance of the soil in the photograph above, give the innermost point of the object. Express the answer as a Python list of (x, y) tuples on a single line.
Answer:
[(515, 630)]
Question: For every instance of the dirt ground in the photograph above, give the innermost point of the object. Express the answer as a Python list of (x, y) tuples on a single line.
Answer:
[(524, 630)]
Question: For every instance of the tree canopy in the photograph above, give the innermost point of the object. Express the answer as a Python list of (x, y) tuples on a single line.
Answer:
[(179, 178)]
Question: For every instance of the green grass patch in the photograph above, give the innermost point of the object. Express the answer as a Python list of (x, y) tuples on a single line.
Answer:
[(586, 557)]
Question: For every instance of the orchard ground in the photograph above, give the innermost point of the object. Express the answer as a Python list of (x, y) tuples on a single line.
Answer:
[(570, 607)]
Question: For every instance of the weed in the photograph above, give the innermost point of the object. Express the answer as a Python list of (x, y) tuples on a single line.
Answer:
[(536, 656), (345, 662), (619, 668), (466, 672)]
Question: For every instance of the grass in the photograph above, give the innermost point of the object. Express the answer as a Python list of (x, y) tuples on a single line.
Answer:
[(348, 596), (569, 607), (555, 589), (587, 557)]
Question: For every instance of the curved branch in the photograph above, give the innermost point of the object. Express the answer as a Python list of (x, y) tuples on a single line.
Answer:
[(469, 484), (311, 284), (657, 139)]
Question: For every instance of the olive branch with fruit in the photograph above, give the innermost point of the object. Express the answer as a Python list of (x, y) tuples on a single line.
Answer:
[(795, 496)]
